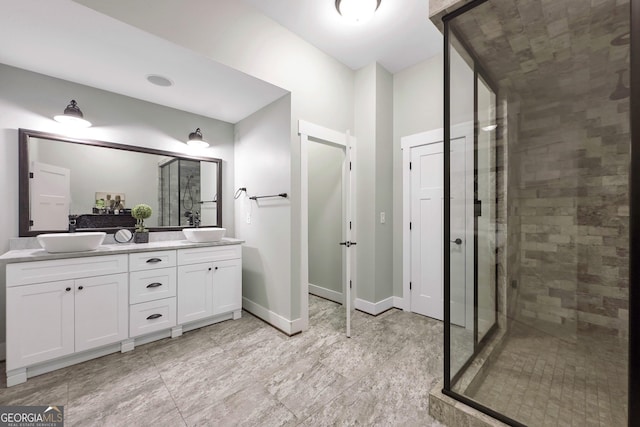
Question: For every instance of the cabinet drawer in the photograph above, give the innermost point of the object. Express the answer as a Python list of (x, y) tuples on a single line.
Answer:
[(149, 260), (208, 254), (152, 316), (23, 273), (150, 285)]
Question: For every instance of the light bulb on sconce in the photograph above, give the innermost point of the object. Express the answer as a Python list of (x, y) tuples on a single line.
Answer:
[(195, 139), (357, 11), (72, 116)]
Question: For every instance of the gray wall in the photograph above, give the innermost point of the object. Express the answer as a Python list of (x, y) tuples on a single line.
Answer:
[(115, 118), (373, 128), (263, 166), (325, 216), (384, 184), (417, 107), (365, 115)]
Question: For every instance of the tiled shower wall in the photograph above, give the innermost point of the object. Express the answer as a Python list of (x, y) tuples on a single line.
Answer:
[(573, 210), (567, 231), (509, 111)]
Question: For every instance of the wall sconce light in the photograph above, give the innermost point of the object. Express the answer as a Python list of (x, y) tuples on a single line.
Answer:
[(357, 10), (73, 116), (195, 139)]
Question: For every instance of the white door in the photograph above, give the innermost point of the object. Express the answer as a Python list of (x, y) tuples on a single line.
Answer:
[(424, 201), (50, 192), (340, 222), (426, 218), (101, 310), (313, 134), (39, 322)]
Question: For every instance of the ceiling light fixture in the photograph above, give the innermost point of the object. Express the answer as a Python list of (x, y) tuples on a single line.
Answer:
[(357, 10), (195, 139), (489, 128), (72, 116)]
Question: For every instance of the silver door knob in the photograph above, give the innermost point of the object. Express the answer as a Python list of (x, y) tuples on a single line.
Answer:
[(458, 241)]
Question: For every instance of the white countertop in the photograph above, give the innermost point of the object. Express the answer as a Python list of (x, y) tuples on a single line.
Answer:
[(21, 255)]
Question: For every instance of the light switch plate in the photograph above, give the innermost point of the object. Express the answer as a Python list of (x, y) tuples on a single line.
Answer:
[(383, 217)]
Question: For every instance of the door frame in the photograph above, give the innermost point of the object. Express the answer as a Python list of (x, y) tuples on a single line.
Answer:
[(345, 140), (464, 130)]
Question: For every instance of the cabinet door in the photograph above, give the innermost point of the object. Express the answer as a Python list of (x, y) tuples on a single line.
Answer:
[(195, 292), (102, 311), (39, 322), (227, 286)]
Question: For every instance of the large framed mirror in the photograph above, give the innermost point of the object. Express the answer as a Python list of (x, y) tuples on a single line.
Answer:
[(94, 184)]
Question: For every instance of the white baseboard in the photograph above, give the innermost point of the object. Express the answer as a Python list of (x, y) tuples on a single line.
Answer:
[(326, 293), (374, 308), (287, 326), (398, 302)]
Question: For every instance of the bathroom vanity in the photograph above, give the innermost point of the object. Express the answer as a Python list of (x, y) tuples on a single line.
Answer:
[(66, 308)]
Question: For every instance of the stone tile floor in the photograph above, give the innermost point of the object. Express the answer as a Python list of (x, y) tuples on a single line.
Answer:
[(541, 380), (245, 372)]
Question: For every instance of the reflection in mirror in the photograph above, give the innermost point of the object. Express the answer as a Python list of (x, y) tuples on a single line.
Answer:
[(123, 236), (74, 185), (187, 187)]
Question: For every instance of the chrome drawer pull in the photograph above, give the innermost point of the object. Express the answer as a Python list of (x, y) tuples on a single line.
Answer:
[(154, 285), (153, 260), (154, 316)]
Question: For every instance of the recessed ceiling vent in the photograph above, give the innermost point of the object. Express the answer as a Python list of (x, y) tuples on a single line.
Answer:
[(159, 80)]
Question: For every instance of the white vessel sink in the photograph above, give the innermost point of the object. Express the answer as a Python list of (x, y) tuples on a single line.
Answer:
[(71, 242), (207, 234)]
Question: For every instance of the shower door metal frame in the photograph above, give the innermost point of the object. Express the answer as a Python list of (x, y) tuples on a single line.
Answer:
[(447, 223), (478, 73), (634, 219)]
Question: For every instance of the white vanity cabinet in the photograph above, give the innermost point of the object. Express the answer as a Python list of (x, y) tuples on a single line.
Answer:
[(64, 311), (209, 282), (58, 307), (152, 292)]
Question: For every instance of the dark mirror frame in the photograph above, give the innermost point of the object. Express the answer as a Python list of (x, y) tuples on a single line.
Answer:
[(23, 179)]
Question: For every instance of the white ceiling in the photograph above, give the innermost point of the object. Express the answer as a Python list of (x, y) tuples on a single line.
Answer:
[(398, 36), (64, 39)]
